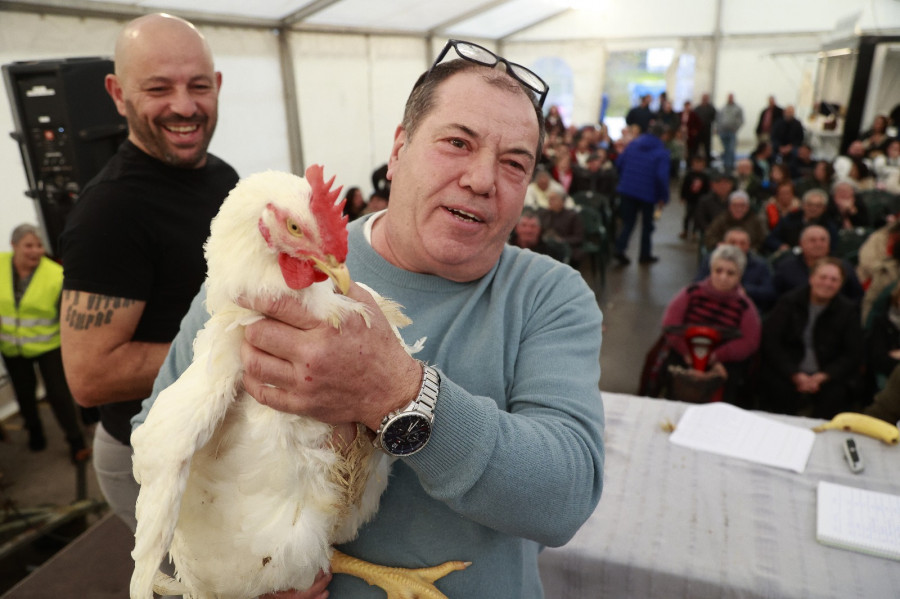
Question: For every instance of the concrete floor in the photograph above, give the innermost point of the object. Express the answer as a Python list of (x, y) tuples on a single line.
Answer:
[(43, 482), (632, 301), (636, 296)]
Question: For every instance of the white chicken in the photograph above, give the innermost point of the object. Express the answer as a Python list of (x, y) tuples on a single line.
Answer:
[(246, 499)]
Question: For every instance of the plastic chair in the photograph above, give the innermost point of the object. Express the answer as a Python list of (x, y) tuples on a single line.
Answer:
[(879, 204), (600, 202), (596, 245), (849, 242)]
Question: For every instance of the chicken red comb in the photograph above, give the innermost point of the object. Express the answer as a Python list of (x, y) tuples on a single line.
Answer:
[(328, 213)]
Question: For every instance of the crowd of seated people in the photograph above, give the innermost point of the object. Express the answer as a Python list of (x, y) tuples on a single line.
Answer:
[(824, 278), (574, 162), (818, 266)]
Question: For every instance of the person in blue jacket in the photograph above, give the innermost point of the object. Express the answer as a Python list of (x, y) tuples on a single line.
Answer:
[(643, 185)]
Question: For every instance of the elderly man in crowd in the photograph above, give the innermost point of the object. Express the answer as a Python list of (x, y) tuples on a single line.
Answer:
[(813, 211), (738, 214), (793, 270)]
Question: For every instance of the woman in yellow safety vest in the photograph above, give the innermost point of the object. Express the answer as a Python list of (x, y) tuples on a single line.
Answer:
[(30, 285)]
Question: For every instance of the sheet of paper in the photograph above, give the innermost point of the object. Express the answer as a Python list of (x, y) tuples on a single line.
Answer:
[(728, 430)]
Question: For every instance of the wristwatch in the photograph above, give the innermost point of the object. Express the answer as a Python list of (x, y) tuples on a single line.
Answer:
[(406, 431)]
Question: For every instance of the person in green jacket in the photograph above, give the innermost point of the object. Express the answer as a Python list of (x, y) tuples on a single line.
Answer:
[(30, 286)]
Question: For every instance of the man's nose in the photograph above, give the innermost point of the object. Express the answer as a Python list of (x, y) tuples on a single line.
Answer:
[(183, 103), (481, 174)]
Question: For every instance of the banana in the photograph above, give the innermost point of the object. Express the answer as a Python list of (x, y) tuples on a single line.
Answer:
[(864, 425)]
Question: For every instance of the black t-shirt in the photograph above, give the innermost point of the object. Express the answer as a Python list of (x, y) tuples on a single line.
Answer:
[(137, 232)]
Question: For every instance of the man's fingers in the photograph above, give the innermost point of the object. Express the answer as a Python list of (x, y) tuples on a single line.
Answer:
[(285, 309), (268, 395), (290, 311), (265, 367)]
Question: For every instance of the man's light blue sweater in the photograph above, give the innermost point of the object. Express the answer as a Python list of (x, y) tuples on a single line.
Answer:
[(516, 458)]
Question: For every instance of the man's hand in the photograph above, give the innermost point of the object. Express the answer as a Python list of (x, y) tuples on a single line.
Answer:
[(319, 590), (808, 383), (718, 370), (816, 381), (298, 364)]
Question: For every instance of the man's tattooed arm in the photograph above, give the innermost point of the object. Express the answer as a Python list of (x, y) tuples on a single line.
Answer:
[(103, 362), (86, 310)]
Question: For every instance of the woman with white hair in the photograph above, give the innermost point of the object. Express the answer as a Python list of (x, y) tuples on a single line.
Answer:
[(717, 301), (30, 285)]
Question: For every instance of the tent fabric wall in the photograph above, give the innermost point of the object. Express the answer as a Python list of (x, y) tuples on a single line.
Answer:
[(586, 58), (753, 68), (351, 91)]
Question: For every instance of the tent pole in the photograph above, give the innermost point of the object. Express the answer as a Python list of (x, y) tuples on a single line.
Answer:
[(291, 101), (717, 46)]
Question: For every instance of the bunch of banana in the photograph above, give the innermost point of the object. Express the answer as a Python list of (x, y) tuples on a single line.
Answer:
[(864, 425)]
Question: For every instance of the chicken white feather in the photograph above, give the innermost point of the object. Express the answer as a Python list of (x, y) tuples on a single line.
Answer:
[(245, 498)]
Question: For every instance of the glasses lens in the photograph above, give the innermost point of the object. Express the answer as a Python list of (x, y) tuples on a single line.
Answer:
[(528, 78), (476, 54)]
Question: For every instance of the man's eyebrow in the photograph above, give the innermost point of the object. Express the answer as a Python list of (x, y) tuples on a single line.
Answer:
[(472, 133), (161, 80), (156, 80)]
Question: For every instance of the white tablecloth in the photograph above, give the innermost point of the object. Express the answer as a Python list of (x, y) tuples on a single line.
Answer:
[(678, 523)]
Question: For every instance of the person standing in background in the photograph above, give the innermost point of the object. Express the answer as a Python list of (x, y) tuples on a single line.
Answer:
[(770, 115), (641, 115), (707, 113), (30, 285), (643, 185), (133, 245), (729, 120)]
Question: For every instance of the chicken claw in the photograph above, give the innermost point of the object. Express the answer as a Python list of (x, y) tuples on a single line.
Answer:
[(398, 583)]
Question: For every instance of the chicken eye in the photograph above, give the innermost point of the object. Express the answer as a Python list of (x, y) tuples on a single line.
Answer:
[(294, 228)]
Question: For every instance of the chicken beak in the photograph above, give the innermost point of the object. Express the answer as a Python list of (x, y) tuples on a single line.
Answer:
[(336, 271)]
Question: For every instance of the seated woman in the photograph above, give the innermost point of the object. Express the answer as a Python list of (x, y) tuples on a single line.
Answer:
[(876, 139), (822, 177), (845, 210), (783, 202), (887, 168), (812, 347), (718, 301)]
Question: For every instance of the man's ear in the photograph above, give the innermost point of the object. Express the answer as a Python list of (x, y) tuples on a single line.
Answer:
[(400, 139), (114, 89)]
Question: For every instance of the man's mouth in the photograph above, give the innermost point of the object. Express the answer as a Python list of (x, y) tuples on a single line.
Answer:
[(182, 129), (463, 215)]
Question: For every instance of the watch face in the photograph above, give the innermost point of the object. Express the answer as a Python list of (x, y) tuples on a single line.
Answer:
[(406, 434)]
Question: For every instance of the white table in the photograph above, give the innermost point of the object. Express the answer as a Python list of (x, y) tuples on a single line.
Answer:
[(678, 523)]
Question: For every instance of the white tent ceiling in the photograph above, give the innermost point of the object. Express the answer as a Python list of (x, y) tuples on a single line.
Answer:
[(487, 19)]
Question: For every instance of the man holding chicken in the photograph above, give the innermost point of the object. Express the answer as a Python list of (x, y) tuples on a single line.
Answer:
[(511, 418)]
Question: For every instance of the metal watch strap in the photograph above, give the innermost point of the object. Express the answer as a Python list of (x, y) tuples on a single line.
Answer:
[(424, 403)]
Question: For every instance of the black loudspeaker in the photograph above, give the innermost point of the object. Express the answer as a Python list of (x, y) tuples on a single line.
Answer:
[(67, 128)]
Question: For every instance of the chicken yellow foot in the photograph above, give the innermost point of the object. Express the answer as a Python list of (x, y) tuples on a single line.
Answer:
[(398, 583)]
